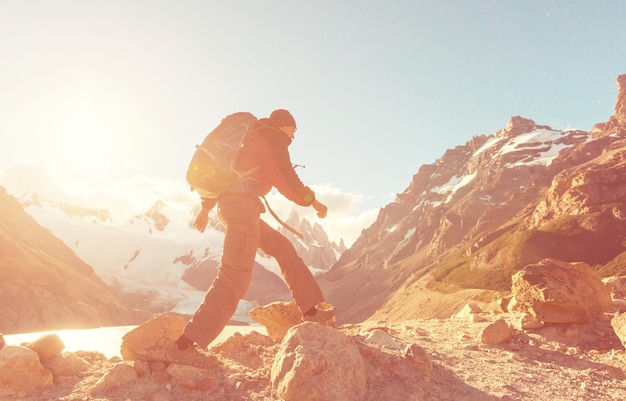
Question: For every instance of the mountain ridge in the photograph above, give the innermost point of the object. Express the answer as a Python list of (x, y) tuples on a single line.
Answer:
[(157, 261), (45, 284), (484, 210)]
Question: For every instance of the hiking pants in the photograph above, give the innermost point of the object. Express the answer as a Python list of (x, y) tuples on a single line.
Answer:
[(245, 232)]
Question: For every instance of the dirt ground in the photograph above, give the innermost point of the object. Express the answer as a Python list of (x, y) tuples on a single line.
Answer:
[(554, 363)]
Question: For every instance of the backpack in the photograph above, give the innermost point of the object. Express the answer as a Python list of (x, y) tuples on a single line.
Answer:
[(211, 172)]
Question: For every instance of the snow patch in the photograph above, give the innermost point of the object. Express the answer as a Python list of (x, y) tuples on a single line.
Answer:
[(452, 186)]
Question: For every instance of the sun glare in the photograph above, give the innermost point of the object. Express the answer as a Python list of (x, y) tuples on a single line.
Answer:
[(84, 142)]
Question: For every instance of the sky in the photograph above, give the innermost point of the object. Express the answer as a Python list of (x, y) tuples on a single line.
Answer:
[(114, 95)]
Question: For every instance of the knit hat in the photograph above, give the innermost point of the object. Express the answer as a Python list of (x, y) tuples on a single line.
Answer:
[(282, 118)]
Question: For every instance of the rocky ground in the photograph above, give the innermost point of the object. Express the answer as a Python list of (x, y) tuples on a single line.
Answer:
[(555, 362)]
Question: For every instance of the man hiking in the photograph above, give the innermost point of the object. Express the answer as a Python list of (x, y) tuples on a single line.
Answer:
[(266, 154)]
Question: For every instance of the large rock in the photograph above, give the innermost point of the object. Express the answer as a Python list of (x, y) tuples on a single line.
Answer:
[(277, 317), (148, 341), (47, 346), (21, 371), (559, 292), (318, 363), (495, 333)]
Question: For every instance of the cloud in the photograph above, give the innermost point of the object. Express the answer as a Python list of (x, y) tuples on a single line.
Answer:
[(122, 188)]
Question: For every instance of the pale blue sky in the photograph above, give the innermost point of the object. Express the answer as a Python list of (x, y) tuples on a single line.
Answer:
[(378, 88)]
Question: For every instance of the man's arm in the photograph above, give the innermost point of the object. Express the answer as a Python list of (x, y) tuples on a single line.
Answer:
[(203, 217), (282, 174)]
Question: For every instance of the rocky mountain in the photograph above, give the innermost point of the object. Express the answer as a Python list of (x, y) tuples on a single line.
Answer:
[(44, 284), (483, 211), (317, 251), (157, 261)]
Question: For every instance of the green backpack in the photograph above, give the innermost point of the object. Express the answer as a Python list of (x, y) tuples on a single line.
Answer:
[(211, 172)]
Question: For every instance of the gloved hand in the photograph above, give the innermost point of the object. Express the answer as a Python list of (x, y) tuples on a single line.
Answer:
[(202, 220), (320, 208)]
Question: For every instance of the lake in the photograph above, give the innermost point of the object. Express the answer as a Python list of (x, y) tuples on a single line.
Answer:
[(108, 340)]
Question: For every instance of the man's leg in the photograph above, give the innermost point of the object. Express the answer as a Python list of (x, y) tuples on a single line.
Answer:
[(240, 214), (303, 286)]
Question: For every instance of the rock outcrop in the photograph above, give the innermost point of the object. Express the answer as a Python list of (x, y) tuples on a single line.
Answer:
[(617, 123), (559, 292), (148, 341), (21, 371), (277, 317), (312, 365)]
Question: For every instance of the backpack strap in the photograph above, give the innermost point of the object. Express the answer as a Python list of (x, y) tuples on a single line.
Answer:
[(282, 223)]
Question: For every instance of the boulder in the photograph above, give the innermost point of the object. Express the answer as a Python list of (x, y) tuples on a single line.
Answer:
[(318, 363), (497, 332), (66, 364), (277, 317), (47, 347), (21, 371), (559, 292), (148, 341)]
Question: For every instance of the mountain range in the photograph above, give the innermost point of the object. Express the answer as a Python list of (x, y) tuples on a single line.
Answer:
[(457, 233), (153, 261), (483, 211)]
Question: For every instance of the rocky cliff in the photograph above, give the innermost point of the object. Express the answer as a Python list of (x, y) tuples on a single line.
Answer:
[(483, 211)]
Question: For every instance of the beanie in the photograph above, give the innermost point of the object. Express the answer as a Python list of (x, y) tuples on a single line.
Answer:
[(282, 118)]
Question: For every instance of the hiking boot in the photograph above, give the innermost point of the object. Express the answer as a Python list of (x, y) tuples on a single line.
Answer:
[(324, 314), (190, 356)]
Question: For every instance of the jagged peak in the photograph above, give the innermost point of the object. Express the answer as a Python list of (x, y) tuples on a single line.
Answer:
[(293, 219), (155, 213), (617, 123), (517, 125), (158, 206)]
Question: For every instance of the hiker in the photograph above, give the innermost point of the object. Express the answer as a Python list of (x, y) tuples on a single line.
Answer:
[(240, 210)]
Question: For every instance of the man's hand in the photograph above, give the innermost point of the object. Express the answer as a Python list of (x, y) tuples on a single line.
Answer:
[(202, 220), (320, 208)]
